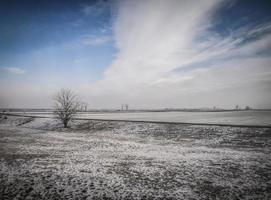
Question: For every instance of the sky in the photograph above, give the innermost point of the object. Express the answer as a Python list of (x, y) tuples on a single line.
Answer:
[(146, 53)]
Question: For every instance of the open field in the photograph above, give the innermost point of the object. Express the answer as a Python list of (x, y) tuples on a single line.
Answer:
[(130, 160), (245, 117)]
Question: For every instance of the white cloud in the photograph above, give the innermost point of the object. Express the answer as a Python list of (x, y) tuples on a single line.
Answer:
[(154, 38), (14, 70)]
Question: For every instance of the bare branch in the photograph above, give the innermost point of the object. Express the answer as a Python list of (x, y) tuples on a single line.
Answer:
[(66, 105)]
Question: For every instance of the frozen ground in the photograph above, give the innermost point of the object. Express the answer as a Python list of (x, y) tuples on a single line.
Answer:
[(125, 160), (245, 117)]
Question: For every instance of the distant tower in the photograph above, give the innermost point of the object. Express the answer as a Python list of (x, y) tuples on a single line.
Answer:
[(126, 106), (237, 107)]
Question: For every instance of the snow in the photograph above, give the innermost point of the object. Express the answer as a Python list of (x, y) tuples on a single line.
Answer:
[(246, 117), (127, 160)]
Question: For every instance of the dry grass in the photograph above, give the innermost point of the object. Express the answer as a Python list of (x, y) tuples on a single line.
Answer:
[(118, 160)]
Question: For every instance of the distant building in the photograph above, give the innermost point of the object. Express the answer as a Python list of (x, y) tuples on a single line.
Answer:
[(247, 108), (124, 106), (83, 106)]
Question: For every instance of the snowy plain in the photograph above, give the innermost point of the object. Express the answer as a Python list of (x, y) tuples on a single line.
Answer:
[(130, 160), (244, 117)]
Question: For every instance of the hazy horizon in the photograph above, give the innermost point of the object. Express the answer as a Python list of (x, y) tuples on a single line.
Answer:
[(148, 54)]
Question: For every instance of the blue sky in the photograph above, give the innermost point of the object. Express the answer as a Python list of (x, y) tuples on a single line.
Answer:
[(150, 54), (51, 38)]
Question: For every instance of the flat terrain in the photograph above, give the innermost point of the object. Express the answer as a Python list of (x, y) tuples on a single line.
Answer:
[(129, 160), (244, 117)]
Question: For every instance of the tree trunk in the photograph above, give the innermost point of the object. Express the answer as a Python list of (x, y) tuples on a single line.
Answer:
[(65, 122)]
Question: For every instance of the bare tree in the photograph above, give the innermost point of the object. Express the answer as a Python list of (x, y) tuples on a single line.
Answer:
[(66, 106)]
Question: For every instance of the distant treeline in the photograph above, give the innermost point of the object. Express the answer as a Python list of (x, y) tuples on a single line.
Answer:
[(45, 110)]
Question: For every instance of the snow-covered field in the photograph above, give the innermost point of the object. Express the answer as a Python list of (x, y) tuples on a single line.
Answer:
[(248, 117), (130, 160)]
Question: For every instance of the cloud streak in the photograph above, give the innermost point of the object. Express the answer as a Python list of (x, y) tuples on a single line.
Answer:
[(14, 70), (95, 40), (156, 39), (95, 9)]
